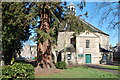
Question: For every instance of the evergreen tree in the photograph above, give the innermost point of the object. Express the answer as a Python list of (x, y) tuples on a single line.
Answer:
[(15, 28), (50, 14)]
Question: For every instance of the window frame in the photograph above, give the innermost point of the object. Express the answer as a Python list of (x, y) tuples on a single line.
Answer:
[(87, 43), (69, 55)]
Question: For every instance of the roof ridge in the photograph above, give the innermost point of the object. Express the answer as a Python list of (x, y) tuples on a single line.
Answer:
[(71, 3), (92, 26)]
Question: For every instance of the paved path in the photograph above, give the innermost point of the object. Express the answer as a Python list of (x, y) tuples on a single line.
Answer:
[(101, 68)]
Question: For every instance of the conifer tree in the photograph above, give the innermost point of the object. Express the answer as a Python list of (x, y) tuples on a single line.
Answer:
[(15, 28)]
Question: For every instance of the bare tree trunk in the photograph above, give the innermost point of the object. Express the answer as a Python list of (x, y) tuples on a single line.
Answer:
[(44, 54)]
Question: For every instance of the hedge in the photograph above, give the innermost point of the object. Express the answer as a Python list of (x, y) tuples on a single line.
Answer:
[(18, 70)]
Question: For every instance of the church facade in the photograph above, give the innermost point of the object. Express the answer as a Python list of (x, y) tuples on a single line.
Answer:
[(92, 47), (83, 48)]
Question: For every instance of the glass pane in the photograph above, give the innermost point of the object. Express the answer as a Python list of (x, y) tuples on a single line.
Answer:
[(87, 43), (69, 56)]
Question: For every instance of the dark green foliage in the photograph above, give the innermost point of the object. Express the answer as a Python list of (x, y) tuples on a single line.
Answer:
[(16, 21), (18, 70), (55, 11), (61, 65)]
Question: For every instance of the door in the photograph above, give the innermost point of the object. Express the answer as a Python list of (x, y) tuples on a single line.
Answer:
[(59, 57), (88, 58)]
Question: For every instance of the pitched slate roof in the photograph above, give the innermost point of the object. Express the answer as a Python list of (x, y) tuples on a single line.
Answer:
[(71, 4), (93, 27), (69, 48), (62, 28), (105, 50)]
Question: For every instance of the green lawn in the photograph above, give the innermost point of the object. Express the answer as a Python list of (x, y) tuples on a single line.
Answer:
[(111, 67), (81, 72)]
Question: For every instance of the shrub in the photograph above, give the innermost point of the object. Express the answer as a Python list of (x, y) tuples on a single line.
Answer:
[(61, 65), (18, 70)]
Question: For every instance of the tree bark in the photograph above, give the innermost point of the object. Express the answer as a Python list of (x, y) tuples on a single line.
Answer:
[(44, 54)]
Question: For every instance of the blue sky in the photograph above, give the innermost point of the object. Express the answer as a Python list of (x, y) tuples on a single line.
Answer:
[(94, 19)]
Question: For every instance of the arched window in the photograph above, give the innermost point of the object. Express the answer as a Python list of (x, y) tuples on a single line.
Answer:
[(69, 8), (72, 9), (87, 43)]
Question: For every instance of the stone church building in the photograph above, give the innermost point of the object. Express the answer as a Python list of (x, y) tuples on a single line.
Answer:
[(92, 47)]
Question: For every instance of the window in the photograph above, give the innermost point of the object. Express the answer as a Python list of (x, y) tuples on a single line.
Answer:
[(69, 8), (69, 56), (72, 9), (87, 44), (104, 57)]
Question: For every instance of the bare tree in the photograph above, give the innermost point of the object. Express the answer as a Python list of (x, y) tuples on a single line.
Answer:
[(109, 12)]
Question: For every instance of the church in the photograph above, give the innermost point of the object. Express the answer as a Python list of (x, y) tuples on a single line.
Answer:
[(92, 47), (84, 48)]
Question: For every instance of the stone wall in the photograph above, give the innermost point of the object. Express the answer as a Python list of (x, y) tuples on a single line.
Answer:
[(103, 40), (26, 51), (29, 51), (93, 47), (73, 58), (63, 39), (95, 39)]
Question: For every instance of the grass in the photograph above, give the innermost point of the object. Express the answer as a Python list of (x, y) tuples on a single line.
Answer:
[(81, 72), (111, 67)]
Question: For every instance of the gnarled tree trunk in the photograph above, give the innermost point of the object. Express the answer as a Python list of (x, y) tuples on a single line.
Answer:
[(44, 54)]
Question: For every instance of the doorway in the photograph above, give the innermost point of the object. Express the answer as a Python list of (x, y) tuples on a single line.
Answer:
[(59, 57), (88, 58)]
